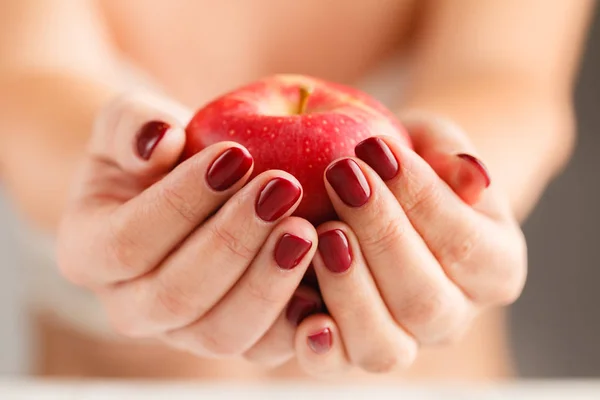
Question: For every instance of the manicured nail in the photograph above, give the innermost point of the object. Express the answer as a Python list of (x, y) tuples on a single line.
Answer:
[(321, 341), (349, 182), (378, 155), (290, 250), (149, 136), (276, 198), (335, 250), (479, 167), (299, 308), (228, 168)]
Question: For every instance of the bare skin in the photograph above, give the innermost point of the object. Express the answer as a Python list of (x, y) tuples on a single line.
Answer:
[(478, 64)]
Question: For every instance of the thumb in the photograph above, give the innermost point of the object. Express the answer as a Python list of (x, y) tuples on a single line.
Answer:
[(448, 150), (143, 134)]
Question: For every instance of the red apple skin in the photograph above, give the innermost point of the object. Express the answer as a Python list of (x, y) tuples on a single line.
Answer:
[(263, 116)]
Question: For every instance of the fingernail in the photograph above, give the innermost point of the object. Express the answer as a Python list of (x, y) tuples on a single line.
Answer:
[(290, 250), (149, 136), (378, 155), (228, 168), (349, 182), (321, 341), (479, 167), (299, 308), (276, 198), (335, 250)]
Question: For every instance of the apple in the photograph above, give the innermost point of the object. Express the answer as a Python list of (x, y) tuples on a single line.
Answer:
[(294, 123)]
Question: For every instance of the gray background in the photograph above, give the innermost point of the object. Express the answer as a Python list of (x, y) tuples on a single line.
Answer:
[(555, 326)]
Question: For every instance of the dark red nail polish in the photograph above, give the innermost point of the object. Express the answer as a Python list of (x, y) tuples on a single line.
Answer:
[(349, 182), (321, 341), (149, 136), (335, 250), (276, 198), (228, 168), (299, 308), (290, 250), (378, 155), (479, 166)]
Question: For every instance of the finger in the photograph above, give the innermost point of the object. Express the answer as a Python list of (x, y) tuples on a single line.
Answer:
[(211, 260), (460, 238), (276, 346), (258, 297), (373, 339), (134, 237), (140, 133), (320, 349), (411, 281), (448, 150)]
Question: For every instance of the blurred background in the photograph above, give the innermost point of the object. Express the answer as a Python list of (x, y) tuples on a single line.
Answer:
[(555, 326), (556, 323)]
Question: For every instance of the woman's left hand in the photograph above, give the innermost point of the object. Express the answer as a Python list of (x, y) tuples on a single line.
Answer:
[(422, 246)]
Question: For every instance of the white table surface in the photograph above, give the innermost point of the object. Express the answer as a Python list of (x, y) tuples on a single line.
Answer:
[(48, 390)]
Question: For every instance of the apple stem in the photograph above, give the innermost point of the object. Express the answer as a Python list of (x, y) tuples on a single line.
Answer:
[(305, 93)]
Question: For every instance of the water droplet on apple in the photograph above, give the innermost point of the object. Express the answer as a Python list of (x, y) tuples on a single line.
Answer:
[(231, 132)]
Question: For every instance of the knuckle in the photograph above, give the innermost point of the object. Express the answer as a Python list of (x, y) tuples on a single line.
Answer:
[(385, 360), (506, 275), (459, 251), (451, 337), (509, 291), (262, 293), (120, 247), (218, 344), (426, 309), (178, 203), (232, 243), (380, 240), (422, 197), (174, 301)]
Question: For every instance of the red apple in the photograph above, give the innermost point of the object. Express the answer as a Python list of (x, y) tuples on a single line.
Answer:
[(294, 123)]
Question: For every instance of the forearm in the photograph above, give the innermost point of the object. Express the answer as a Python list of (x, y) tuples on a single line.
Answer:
[(523, 133), (45, 121)]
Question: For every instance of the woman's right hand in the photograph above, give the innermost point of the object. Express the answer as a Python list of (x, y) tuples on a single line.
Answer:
[(192, 254)]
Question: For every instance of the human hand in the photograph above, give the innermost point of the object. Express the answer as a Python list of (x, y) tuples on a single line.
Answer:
[(190, 254), (423, 245)]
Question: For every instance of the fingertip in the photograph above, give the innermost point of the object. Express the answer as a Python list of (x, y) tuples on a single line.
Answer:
[(300, 228), (478, 169), (158, 145), (319, 347), (279, 195)]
